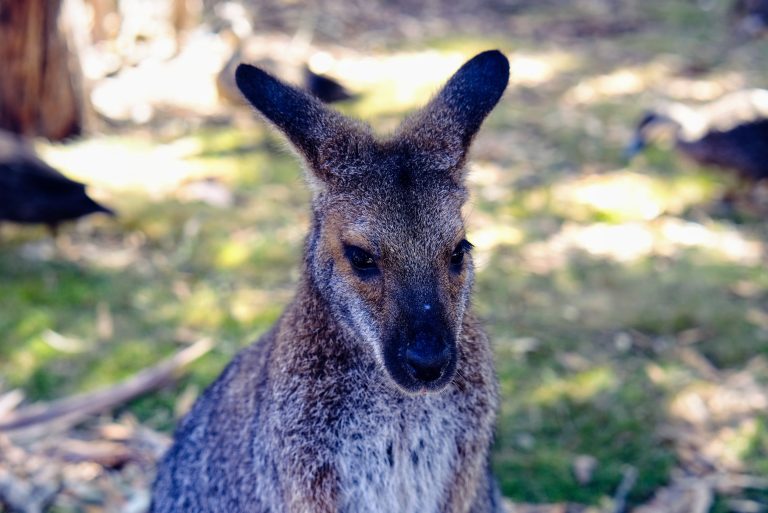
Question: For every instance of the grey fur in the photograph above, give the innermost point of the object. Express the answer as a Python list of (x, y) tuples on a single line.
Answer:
[(315, 416)]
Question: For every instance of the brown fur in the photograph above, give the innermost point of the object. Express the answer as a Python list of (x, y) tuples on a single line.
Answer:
[(375, 391)]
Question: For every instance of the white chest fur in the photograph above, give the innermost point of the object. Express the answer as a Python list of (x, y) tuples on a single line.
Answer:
[(399, 457)]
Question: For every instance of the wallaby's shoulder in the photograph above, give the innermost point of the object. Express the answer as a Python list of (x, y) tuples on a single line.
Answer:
[(211, 470)]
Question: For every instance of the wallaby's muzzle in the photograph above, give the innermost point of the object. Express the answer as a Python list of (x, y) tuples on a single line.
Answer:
[(422, 363), (427, 357), (421, 355)]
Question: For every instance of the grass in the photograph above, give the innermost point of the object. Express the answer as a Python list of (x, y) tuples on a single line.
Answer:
[(583, 388), (191, 270), (581, 335)]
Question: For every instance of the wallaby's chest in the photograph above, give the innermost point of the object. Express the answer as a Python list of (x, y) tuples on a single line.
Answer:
[(399, 456)]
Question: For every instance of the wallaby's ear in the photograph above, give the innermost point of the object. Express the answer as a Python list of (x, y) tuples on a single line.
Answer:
[(450, 121), (312, 128)]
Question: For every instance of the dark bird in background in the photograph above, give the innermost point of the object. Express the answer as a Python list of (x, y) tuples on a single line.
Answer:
[(33, 192), (233, 25), (750, 16), (731, 132), (325, 88)]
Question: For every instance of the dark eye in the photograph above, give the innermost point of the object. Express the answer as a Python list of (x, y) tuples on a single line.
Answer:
[(457, 257), (362, 261)]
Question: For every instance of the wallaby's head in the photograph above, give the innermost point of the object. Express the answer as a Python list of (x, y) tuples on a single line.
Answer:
[(387, 248)]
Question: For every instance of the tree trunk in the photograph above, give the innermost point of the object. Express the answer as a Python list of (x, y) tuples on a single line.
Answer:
[(106, 20), (185, 14), (41, 85)]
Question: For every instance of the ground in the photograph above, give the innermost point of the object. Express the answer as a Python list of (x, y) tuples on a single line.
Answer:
[(627, 306)]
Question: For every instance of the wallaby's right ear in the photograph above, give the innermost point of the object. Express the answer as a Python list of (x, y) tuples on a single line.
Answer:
[(446, 126), (307, 123)]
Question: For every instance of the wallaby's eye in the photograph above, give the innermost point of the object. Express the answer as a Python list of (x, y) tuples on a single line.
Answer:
[(457, 257), (362, 261)]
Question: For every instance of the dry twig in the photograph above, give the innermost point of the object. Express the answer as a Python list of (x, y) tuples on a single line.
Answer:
[(71, 410)]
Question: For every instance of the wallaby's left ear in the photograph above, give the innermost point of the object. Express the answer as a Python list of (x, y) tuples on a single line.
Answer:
[(321, 135), (453, 117)]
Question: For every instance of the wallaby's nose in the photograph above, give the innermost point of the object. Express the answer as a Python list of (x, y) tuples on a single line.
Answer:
[(427, 357)]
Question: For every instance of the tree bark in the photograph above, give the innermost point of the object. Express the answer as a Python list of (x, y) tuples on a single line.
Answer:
[(106, 20), (41, 85)]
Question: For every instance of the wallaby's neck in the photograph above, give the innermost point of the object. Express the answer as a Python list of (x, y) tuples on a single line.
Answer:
[(310, 310)]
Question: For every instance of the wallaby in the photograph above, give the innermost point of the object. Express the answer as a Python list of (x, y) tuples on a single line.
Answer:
[(375, 391)]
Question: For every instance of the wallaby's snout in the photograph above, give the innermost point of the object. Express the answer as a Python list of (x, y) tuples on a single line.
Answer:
[(428, 356), (421, 355)]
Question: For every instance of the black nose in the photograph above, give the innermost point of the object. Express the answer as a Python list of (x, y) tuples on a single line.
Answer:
[(427, 357)]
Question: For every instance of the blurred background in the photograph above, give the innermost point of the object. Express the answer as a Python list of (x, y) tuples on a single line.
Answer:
[(627, 298)]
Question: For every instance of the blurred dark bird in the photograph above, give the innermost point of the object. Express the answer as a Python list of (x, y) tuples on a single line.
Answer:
[(33, 192), (750, 16), (731, 132), (235, 30), (325, 88)]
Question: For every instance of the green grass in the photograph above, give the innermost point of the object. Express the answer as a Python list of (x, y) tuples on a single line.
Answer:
[(579, 392), (197, 271), (577, 334)]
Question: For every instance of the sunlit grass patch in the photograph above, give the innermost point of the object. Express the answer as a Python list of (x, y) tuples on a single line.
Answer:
[(579, 387), (169, 269), (627, 195)]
